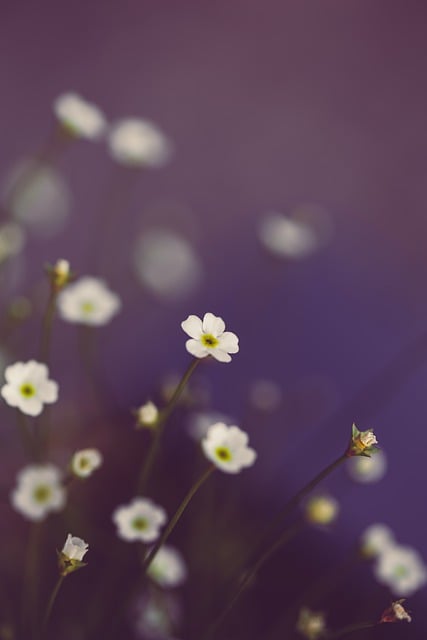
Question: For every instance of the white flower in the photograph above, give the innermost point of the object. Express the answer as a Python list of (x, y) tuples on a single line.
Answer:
[(38, 491), (85, 462), (311, 624), (402, 569), (321, 509), (79, 117), (139, 143), (139, 520), (28, 387), (227, 448), (377, 539), (74, 548), (168, 568), (368, 438), (147, 415), (287, 238), (209, 338), (367, 470), (88, 301)]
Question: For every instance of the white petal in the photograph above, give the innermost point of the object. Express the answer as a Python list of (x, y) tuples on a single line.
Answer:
[(192, 327), (229, 342), (219, 355), (196, 348), (11, 395), (30, 406), (49, 392), (213, 325)]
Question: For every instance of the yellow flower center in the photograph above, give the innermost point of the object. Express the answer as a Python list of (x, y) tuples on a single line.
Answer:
[(28, 390), (223, 453), (208, 340), (139, 523), (87, 307), (83, 463), (42, 493)]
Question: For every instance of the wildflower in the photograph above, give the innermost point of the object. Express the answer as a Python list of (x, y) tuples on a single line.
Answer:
[(362, 443), (85, 462), (321, 510), (147, 415), (155, 615), (286, 237), (227, 448), (88, 301), (59, 274), (209, 338), (377, 539), (139, 143), (311, 624), (139, 520), (28, 387), (168, 568), (366, 470), (79, 117), (402, 569), (72, 554), (38, 491), (396, 612)]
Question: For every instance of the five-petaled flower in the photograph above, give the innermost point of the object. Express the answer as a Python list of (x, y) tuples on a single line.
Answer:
[(85, 462), (362, 443), (227, 447), (38, 491), (88, 301), (72, 554), (139, 520), (209, 338), (28, 387)]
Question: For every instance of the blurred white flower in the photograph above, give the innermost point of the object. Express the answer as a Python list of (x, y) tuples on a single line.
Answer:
[(74, 548), (139, 143), (38, 491), (12, 240), (156, 615), (79, 117), (367, 470), (85, 462), (377, 539), (147, 415), (139, 520), (265, 395), (167, 264), (37, 195), (321, 509), (311, 624), (209, 338), (401, 569), (168, 568), (88, 301), (28, 387), (227, 447)]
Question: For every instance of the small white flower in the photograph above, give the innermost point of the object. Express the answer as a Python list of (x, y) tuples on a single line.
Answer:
[(74, 548), (311, 624), (209, 338), (287, 237), (402, 569), (139, 520), (79, 117), (321, 510), (88, 301), (38, 491), (367, 470), (147, 415), (28, 387), (168, 568), (400, 611), (368, 438), (377, 539), (227, 448), (85, 462), (139, 143)]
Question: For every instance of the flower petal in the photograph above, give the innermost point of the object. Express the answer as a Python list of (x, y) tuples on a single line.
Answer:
[(229, 342), (192, 327), (196, 348), (220, 355), (213, 324)]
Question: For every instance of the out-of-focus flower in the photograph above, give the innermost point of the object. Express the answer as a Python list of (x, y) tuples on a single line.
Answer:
[(265, 395), (396, 612), (147, 415), (12, 240), (72, 554), (311, 624), (367, 470), (155, 615), (139, 520), (139, 143), (38, 491), (321, 509), (37, 195), (227, 447), (377, 539), (88, 301), (168, 568), (85, 462), (167, 264), (209, 338), (79, 118), (59, 274), (28, 387), (362, 443), (401, 569)]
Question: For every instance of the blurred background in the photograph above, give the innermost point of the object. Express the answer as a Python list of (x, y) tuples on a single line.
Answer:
[(293, 206)]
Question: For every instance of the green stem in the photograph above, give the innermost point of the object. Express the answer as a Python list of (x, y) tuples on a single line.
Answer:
[(345, 631), (50, 604), (164, 415), (47, 324), (176, 517), (31, 580), (26, 436)]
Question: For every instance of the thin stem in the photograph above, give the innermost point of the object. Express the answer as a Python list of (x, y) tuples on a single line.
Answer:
[(176, 517), (47, 327), (31, 578), (50, 604), (345, 631), (164, 415)]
